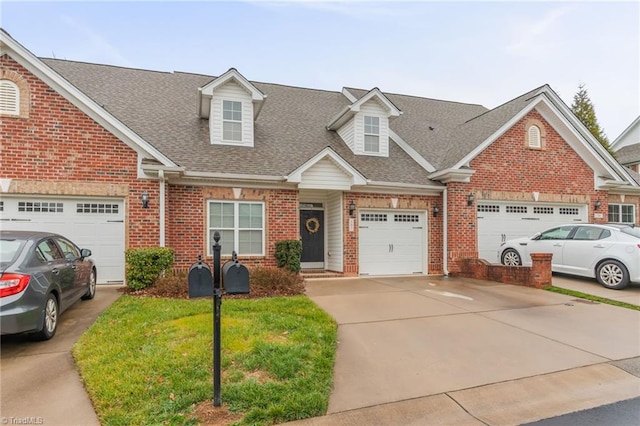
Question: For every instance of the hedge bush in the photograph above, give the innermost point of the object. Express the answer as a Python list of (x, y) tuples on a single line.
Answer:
[(145, 265), (288, 253)]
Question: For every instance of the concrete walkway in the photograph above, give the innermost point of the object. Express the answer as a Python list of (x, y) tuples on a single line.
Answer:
[(39, 383), (437, 350)]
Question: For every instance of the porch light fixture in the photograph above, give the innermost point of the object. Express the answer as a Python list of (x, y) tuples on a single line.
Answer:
[(436, 210), (352, 208), (470, 198), (597, 204), (145, 200)]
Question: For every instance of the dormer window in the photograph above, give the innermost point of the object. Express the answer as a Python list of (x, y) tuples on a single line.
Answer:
[(231, 121), (371, 134), (364, 125), (231, 104)]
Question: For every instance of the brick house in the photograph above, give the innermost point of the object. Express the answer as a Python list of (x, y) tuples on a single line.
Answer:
[(373, 183)]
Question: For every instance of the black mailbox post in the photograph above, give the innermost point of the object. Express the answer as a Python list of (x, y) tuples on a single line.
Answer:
[(202, 283)]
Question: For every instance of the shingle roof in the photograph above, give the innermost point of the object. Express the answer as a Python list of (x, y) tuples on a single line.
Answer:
[(629, 154), (161, 108)]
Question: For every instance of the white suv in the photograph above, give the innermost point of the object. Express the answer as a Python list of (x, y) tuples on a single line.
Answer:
[(608, 252)]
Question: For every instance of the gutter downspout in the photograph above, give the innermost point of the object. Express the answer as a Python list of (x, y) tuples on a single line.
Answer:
[(445, 231), (162, 207)]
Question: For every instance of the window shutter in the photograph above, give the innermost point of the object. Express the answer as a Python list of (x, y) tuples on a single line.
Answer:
[(9, 98), (534, 137)]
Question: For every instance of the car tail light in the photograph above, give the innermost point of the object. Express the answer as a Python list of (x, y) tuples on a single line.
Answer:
[(13, 284)]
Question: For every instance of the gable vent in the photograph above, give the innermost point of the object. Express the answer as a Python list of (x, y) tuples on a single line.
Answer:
[(9, 98)]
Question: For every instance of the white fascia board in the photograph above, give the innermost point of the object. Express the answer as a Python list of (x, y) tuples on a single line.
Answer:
[(411, 152), (593, 148), (554, 109), (205, 93), (393, 111), (349, 95), (357, 178), (338, 120), (349, 111), (400, 188), (625, 131), (81, 101), (452, 175), (466, 160)]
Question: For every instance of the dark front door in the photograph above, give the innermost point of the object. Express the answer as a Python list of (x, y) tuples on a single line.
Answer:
[(312, 232)]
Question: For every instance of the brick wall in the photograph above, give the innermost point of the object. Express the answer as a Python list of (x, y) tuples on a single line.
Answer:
[(53, 148), (509, 170), (187, 222), (405, 202)]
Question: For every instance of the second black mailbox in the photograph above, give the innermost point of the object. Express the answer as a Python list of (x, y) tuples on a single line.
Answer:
[(235, 277)]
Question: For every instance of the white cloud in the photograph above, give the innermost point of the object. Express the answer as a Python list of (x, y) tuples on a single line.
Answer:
[(534, 37), (98, 46)]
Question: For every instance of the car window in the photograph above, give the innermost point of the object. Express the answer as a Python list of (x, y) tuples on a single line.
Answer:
[(634, 231), (9, 249), (591, 233), (560, 233), (48, 250), (69, 249)]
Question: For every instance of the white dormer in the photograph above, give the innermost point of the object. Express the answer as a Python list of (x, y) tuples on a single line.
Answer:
[(364, 125), (231, 103)]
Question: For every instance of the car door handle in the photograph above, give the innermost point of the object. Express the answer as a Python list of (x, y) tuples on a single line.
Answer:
[(598, 246), (557, 245)]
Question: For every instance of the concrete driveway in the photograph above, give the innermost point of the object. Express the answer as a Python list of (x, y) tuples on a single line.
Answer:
[(438, 350), (39, 383)]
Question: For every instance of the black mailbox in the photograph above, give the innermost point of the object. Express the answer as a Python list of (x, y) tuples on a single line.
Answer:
[(235, 277), (200, 280)]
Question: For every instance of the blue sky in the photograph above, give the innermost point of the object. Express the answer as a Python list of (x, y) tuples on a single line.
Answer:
[(477, 52)]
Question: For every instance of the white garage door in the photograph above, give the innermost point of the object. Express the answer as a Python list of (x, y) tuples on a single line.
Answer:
[(96, 224), (501, 221), (392, 243)]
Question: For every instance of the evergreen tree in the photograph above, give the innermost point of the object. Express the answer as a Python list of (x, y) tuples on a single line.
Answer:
[(583, 108)]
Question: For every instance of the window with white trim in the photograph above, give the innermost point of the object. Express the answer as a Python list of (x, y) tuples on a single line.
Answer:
[(231, 121), (534, 137), (371, 134), (622, 213), (241, 227), (9, 98)]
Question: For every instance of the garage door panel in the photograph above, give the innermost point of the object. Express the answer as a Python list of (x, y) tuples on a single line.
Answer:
[(499, 221), (391, 243), (95, 224)]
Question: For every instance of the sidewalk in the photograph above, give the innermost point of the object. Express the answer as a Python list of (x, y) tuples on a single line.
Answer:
[(437, 350)]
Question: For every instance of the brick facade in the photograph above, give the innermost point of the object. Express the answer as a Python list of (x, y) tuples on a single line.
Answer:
[(508, 170), (53, 148)]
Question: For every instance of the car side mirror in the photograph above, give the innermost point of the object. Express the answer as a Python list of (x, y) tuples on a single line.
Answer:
[(85, 253)]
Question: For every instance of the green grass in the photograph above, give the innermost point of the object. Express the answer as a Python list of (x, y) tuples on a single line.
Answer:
[(149, 360), (593, 298)]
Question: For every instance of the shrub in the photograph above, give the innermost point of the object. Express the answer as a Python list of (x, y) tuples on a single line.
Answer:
[(267, 282), (145, 265), (288, 253)]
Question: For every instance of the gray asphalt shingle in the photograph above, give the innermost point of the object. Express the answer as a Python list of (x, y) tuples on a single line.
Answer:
[(291, 128)]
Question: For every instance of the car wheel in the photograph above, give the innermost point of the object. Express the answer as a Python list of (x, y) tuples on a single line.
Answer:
[(91, 291), (50, 323), (510, 257), (612, 274)]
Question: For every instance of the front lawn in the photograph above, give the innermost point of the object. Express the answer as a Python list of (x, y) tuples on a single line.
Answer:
[(149, 361)]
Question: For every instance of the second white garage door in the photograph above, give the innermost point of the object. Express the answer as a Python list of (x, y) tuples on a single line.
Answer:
[(499, 221), (96, 224), (392, 242)]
